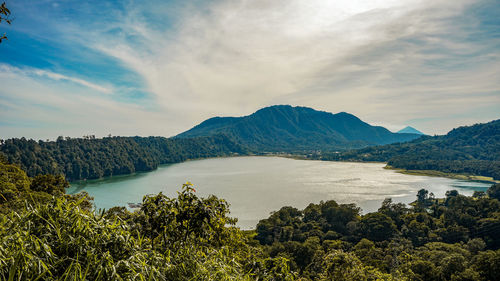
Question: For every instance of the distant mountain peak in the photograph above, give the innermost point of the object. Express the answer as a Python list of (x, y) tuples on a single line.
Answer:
[(410, 130)]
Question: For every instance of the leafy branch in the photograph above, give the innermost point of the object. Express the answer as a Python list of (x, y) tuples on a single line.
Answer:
[(4, 16)]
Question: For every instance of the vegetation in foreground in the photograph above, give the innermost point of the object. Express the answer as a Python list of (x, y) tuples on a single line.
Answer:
[(452, 238), (47, 235)]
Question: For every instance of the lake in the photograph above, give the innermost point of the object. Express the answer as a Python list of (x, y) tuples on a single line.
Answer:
[(256, 186)]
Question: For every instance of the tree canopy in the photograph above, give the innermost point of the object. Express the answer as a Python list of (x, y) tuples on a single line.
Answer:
[(92, 158), (48, 235)]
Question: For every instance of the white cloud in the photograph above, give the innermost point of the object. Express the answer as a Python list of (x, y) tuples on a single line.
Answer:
[(39, 109), (390, 62), (57, 76), (27, 71), (355, 56)]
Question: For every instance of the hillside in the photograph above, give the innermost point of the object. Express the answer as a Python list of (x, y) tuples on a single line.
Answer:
[(471, 150), (286, 128), (91, 158)]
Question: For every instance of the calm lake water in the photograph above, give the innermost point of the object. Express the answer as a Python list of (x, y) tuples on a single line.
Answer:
[(256, 186)]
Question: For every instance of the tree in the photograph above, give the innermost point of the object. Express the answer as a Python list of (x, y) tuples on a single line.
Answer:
[(494, 191), (394, 210), (185, 219), (422, 196), (487, 263), (377, 227), (13, 181), (339, 265), (79, 158), (4, 16), (50, 184)]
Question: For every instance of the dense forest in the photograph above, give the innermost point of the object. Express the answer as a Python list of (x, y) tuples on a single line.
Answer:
[(473, 150), (452, 238), (48, 235), (92, 158)]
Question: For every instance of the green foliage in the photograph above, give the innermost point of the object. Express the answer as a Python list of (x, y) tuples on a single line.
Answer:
[(60, 240), (13, 181), (473, 150), (487, 264), (436, 239), (4, 16), (47, 235), (16, 188), (186, 218), (395, 211), (50, 184), (340, 266), (182, 238), (494, 191), (377, 227), (91, 158)]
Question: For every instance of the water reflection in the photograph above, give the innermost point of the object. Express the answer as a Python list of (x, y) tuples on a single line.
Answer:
[(255, 186)]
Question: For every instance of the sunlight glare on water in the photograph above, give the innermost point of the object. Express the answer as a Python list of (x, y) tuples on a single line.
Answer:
[(256, 186)]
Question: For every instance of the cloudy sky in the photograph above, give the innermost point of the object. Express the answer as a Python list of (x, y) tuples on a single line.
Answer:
[(77, 67)]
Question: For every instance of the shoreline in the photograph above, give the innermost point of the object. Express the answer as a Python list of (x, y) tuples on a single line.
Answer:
[(439, 174), (429, 173)]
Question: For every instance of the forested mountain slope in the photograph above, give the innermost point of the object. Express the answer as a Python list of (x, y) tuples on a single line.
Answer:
[(90, 158), (469, 149), (285, 128)]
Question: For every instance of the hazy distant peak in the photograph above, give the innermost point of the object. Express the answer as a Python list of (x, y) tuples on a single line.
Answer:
[(409, 130)]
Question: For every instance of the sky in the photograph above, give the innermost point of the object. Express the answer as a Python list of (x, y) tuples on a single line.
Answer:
[(74, 68)]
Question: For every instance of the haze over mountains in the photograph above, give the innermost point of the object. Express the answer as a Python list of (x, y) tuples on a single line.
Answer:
[(409, 130), (300, 130), (471, 150), (285, 128)]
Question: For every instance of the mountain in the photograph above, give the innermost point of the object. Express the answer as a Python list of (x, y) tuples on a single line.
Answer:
[(409, 130), (471, 150), (285, 128)]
